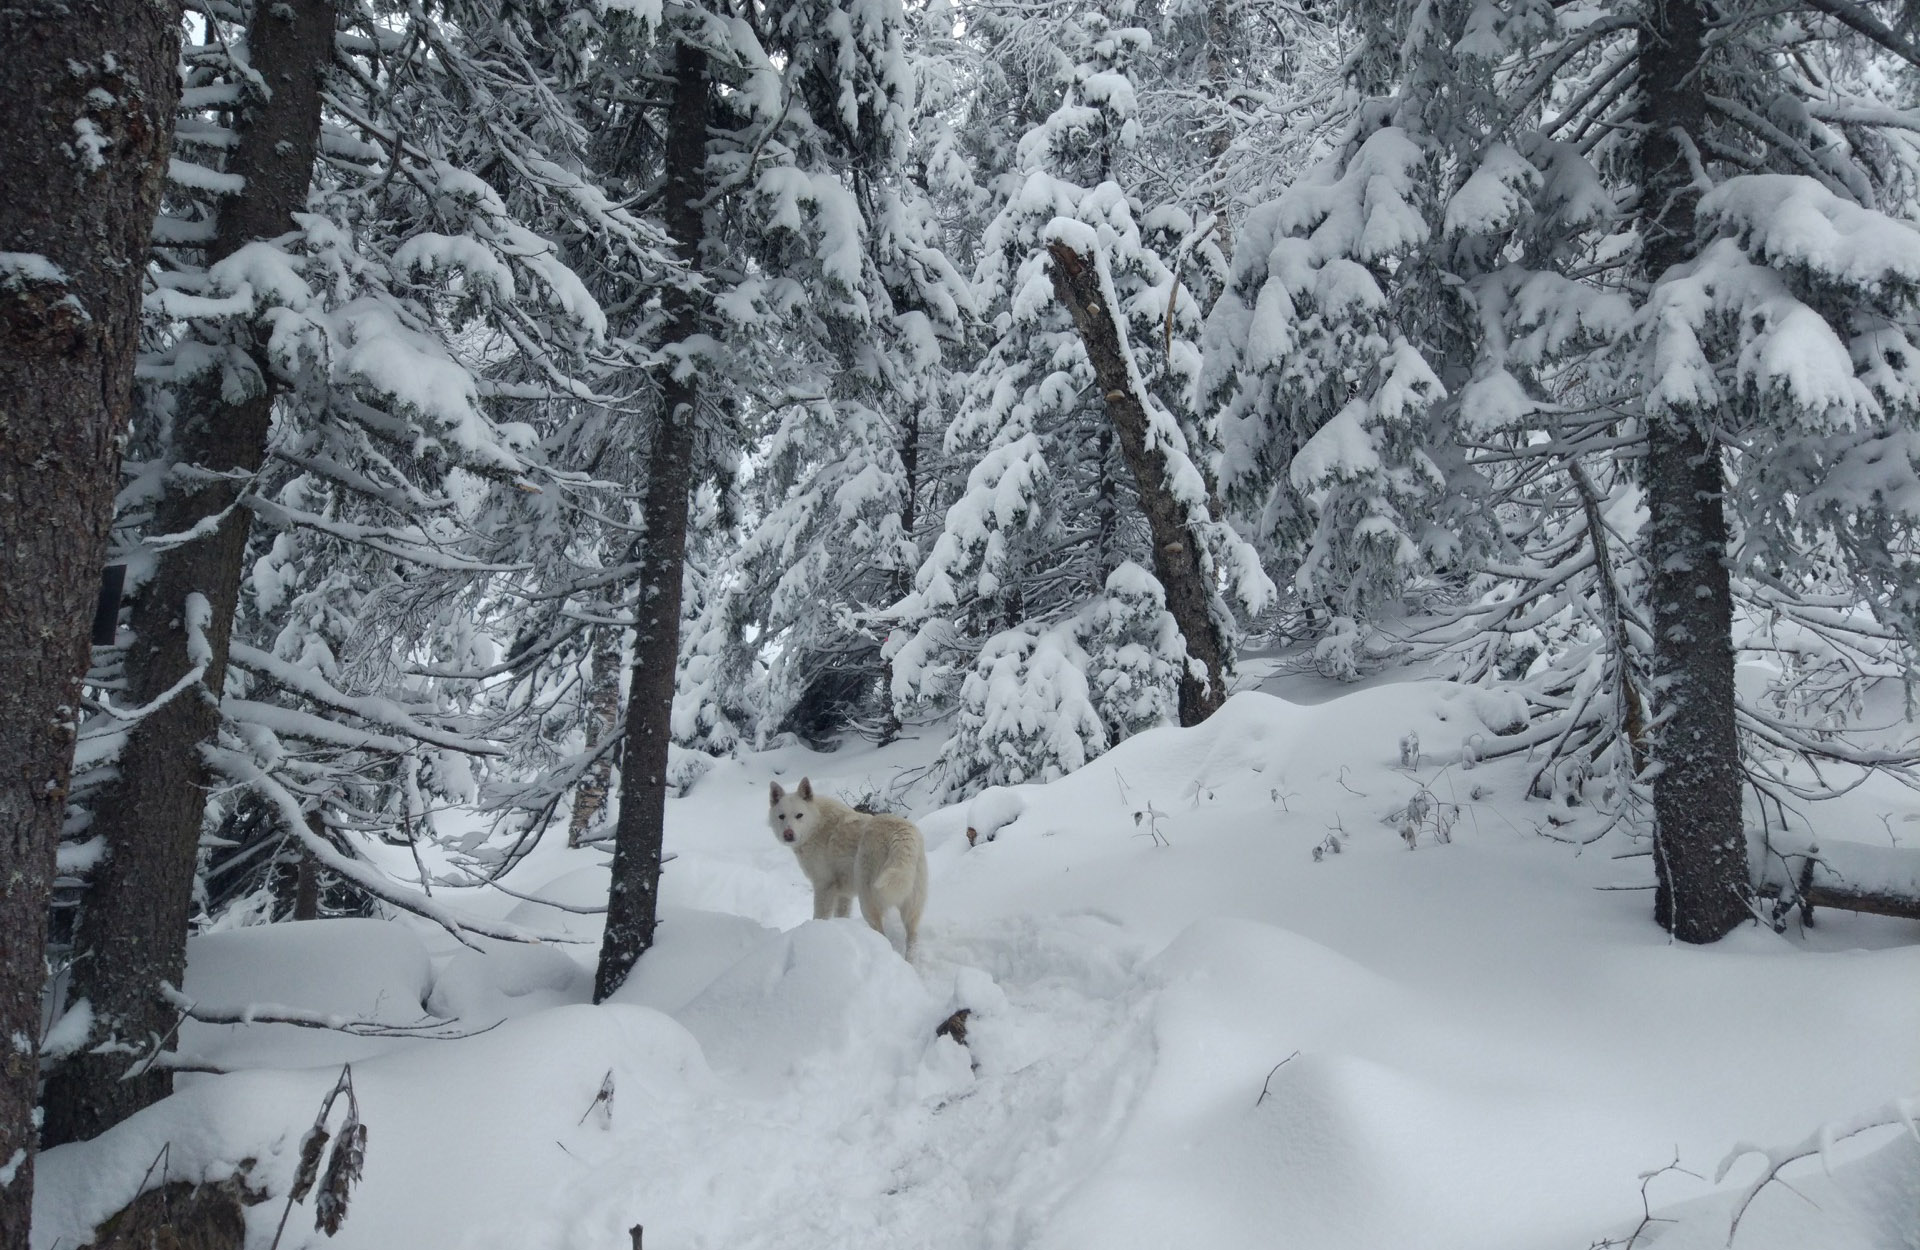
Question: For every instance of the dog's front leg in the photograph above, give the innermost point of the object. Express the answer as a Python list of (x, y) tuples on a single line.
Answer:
[(825, 898), (843, 906)]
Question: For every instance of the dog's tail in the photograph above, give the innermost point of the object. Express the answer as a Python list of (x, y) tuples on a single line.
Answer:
[(897, 875)]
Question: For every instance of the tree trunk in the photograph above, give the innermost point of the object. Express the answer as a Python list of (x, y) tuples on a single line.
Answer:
[(633, 898), (1176, 563), (306, 879), (902, 580), (1700, 852), (89, 89), (134, 920), (1220, 138), (603, 712)]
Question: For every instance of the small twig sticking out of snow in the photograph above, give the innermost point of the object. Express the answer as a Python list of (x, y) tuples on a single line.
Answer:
[(602, 1099), (1331, 844), (1646, 1210), (1342, 779), (1820, 1142), (1152, 816), (1264, 1091), (159, 1161)]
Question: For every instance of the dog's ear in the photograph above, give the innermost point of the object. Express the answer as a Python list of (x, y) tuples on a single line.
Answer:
[(806, 789), (776, 794)]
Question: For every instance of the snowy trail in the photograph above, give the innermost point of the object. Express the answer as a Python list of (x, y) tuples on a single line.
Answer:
[(895, 1140)]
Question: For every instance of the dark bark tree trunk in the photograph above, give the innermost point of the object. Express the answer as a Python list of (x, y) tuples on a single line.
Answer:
[(133, 924), (633, 898), (1700, 852), (89, 89), (902, 582), (1175, 562), (306, 880)]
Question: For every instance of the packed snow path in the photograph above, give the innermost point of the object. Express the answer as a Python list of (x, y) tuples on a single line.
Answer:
[(1187, 1031)]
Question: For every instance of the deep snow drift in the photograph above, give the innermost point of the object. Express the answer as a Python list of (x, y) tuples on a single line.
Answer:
[(1187, 1028)]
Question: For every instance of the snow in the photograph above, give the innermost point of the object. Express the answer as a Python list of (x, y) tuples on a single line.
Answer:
[(19, 268), (993, 809), (1184, 1029)]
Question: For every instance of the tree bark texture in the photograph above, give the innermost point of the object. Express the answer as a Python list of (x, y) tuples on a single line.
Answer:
[(603, 710), (633, 897), (1176, 563), (1700, 853), (88, 87), (135, 916)]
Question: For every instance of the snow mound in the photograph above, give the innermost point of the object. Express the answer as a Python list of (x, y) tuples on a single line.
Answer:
[(349, 968), (463, 1137), (507, 979), (690, 950), (365, 968), (583, 887), (830, 1000)]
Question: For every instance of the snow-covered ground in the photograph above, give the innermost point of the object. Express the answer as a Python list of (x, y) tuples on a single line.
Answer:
[(1186, 1029)]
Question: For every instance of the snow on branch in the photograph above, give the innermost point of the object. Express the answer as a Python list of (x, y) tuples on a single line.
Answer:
[(246, 772), (435, 1028), (1902, 1111), (378, 711)]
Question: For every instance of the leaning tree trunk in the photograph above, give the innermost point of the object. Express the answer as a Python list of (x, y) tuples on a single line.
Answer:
[(633, 897), (1176, 562), (89, 89), (1700, 851), (134, 918)]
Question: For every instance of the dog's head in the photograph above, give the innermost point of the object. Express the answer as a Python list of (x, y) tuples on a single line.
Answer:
[(792, 817)]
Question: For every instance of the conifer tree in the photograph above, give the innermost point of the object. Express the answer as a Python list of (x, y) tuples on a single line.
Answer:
[(1619, 380)]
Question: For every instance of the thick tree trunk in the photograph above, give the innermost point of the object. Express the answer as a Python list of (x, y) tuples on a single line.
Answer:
[(89, 89), (1700, 852), (1175, 562), (633, 898), (133, 923)]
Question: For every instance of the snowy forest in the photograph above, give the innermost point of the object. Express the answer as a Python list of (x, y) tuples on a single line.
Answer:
[(1376, 542)]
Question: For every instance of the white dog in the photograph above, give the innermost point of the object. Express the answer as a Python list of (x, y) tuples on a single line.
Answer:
[(847, 854)]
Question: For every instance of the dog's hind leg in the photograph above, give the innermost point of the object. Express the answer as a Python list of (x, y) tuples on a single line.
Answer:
[(910, 917), (873, 909)]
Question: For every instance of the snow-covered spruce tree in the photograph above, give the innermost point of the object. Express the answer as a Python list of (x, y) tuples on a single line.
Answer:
[(309, 329), (841, 485), (1781, 384), (88, 90), (1084, 452), (809, 275), (1588, 345)]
